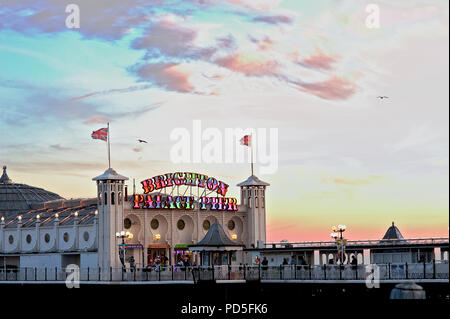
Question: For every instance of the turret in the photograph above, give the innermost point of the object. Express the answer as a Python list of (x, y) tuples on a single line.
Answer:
[(253, 195), (111, 193)]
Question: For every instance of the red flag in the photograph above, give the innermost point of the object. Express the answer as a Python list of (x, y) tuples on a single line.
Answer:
[(246, 140), (101, 134)]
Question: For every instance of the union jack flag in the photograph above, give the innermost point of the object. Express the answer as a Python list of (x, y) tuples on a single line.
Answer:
[(246, 140), (101, 134)]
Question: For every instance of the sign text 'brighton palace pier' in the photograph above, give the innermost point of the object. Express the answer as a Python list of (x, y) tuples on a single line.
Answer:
[(211, 184)]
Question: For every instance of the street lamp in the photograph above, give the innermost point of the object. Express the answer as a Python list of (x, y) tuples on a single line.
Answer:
[(124, 235), (122, 248), (340, 240)]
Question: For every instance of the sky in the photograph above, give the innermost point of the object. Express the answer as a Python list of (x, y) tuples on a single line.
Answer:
[(311, 69)]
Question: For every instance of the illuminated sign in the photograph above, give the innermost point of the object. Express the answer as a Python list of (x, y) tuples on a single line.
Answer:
[(186, 179), (174, 202), (184, 203)]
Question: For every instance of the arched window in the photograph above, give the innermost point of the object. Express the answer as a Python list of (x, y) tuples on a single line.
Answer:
[(256, 202), (106, 198), (99, 198), (113, 199), (250, 202), (119, 198), (263, 205)]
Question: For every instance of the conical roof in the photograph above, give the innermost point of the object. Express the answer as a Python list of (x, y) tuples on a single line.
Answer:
[(110, 174), (253, 181), (393, 233), (17, 198), (5, 178), (215, 237)]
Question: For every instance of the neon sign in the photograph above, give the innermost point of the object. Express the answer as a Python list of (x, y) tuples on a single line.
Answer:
[(203, 202), (184, 203), (187, 179)]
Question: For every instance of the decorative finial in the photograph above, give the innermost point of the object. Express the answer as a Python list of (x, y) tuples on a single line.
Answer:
[(4, 178), (393, 224)]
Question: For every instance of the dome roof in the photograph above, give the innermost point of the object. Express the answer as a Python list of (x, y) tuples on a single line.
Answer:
[(18, 198), (393, 233)]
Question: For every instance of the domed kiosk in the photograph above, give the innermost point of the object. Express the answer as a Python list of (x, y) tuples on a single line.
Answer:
[(18, 198), (393, 234)]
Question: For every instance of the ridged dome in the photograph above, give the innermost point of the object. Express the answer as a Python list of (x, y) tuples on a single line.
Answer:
[(18, 198)]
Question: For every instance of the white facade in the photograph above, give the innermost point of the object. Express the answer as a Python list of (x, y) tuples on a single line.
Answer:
[(83, 232)]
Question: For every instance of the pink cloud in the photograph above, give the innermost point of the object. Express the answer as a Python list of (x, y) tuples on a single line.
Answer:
[(335, 88), (264, 44), (248, 64), (96, 119), (167, 75), (319, 60)]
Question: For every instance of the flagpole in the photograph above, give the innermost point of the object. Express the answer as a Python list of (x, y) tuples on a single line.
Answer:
[(251, 149), (109, 148)]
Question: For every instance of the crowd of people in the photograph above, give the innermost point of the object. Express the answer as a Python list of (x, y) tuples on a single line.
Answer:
[(161, 262)]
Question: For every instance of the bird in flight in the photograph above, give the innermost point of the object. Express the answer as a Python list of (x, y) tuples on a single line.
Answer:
[(142, 141), (382, 97)]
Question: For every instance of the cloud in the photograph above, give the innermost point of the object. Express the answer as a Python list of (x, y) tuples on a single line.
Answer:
[(105, 19), (96, 119), (262, 5), (166, 75), (353, 181), (249, 64), (107, 117), (319, 61), (112, 91), (58, 147), (335, 88), (255, 5), (264, 44), (169, 36), (274, 19)]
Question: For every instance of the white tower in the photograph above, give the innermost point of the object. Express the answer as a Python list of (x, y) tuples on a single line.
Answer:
[(111, 193), (253, 194)]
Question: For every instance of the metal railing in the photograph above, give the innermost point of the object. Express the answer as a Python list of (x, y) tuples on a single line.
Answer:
[(394, 271), (369, 242)]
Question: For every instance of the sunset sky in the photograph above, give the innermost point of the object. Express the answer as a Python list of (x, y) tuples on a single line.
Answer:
[(312, 69)]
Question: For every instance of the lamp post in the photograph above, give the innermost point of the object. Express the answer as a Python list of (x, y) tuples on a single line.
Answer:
[(122, 248), (337, 235)]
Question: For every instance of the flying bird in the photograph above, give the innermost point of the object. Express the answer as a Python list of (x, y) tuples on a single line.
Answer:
[(142, 141), (382, 97)]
